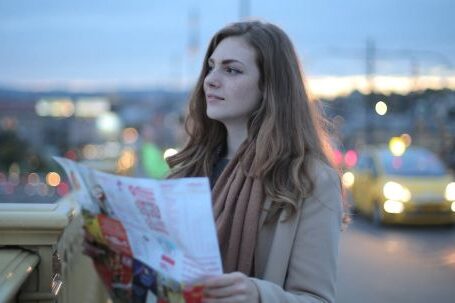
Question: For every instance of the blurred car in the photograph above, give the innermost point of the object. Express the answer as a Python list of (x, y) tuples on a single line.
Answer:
[(413, 188)]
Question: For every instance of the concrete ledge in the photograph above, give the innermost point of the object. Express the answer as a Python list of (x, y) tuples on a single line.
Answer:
[(16, 265)]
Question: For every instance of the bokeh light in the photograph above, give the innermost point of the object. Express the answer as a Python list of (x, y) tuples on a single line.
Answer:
[(407, 140), (62, 189), (62, 108), (108, 124), (71, 154), (381, 108), (53, 179), (350, 158), (348, 179), (127, 160), (393, 207), (90, 151), (397, 146), (129, 135), (169, 152)]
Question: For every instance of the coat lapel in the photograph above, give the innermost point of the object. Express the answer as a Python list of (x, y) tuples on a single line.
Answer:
[(265, 209), (274, 266)]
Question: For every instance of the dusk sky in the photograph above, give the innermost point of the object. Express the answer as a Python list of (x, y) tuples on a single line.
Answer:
[(146, 43)]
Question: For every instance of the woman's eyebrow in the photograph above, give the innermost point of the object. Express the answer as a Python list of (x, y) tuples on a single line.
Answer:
[(226, 61)]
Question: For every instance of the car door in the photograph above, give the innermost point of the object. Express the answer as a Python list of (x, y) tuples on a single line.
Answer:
[(364, 175)]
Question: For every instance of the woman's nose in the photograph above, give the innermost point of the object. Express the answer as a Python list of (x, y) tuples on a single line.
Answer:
[(212, 79)]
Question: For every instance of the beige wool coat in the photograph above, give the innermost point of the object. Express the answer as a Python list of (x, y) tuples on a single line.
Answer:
[(296, 260)]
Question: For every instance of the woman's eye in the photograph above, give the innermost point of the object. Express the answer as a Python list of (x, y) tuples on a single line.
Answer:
[(231, 70)]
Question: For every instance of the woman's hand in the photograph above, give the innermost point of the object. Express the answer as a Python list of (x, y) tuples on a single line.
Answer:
[(232, 287), (89, 246)]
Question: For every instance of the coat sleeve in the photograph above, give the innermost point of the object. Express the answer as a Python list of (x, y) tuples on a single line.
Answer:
[(312, 270)]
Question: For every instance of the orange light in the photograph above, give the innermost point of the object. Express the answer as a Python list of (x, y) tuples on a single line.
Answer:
[(129, 135), (406, 139), (53, 179), (126, 160)]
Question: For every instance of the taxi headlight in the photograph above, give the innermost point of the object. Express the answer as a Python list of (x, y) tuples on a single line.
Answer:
[(393, 207), (450, 191), (453, 207), (396, 191)]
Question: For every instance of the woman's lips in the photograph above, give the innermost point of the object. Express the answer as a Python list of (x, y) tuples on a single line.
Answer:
[(212, 98)]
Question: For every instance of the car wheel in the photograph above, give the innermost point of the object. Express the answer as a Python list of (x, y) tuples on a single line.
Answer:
[(378, 217)]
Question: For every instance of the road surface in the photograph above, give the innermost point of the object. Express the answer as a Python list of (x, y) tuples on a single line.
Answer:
[(396, 264)]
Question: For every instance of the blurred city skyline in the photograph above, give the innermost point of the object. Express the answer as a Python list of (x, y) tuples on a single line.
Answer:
[(113, 44)]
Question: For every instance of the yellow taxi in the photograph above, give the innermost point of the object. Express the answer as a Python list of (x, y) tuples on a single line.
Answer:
[(413, 187)]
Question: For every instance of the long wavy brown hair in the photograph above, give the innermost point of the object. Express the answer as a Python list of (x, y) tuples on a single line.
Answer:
[(286, 132)]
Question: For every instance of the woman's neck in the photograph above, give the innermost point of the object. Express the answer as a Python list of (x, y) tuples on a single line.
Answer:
[(236, 134)]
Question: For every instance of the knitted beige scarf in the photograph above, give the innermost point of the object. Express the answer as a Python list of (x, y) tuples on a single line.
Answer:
[(238, 200)]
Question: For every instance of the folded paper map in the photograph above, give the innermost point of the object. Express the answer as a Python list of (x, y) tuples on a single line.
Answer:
[(157, 238)]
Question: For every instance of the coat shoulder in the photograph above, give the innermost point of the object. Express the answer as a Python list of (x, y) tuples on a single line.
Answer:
[(326, 186)]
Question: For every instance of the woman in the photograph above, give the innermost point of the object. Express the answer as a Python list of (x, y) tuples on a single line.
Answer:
[(277, 200)]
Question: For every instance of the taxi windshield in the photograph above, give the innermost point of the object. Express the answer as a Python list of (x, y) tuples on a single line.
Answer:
[(414, 162)]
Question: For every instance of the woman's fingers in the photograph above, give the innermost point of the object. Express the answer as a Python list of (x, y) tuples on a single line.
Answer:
[(225, 291), (223, 280), (92, 250), (232, 287), (89, 245)]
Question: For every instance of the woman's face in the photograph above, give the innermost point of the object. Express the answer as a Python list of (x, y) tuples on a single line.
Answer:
[(231, 84)]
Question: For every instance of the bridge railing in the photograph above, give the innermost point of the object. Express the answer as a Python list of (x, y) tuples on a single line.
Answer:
[(41, 256)]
